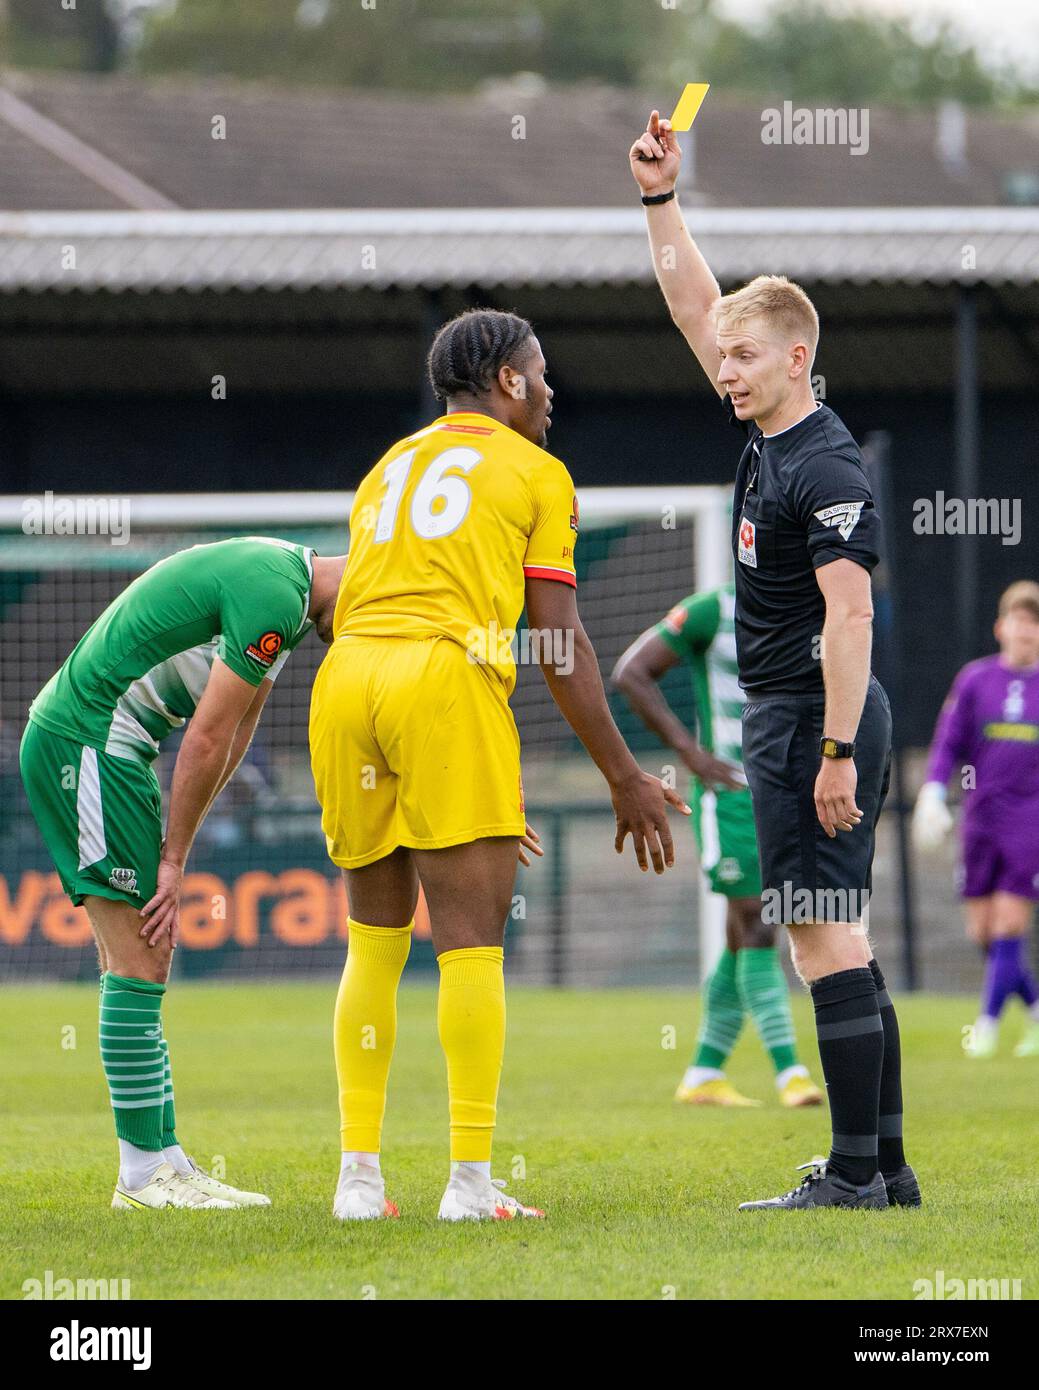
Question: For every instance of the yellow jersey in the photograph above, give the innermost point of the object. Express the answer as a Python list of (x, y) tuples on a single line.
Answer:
[(444, 531)]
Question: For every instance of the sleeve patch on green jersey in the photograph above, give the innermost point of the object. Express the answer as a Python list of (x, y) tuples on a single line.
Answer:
[(675, 620), (265, 649)]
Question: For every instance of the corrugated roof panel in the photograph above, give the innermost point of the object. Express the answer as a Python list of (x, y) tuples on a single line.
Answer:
[(302, 250)]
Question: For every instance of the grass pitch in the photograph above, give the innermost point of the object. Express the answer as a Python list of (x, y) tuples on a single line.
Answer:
[(641, 1193)]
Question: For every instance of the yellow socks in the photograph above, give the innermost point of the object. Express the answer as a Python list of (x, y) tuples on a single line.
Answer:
[(471, 1022), (470, 1019), (365, 1029)]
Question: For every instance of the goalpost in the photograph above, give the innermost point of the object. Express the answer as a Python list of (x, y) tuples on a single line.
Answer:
[(641, 549)]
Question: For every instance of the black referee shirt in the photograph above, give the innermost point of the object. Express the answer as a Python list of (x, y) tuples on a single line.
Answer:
[(801, 500)]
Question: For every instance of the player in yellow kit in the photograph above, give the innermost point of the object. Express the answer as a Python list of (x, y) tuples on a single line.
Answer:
[(415, 751)]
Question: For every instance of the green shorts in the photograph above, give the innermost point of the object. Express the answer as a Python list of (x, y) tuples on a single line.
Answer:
[(723, 823), (100, 816)]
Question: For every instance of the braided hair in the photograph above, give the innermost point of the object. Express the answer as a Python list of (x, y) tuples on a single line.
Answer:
[(469, 351)]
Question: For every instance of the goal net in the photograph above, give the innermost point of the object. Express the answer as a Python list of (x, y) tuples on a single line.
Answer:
[(260, 894)]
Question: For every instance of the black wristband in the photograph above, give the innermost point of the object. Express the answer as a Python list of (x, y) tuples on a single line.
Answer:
[(651, 201)]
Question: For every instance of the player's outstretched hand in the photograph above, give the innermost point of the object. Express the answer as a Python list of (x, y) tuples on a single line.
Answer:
[(715, 772), (835, 796), (655, 157), (162, 913), (640, 804), (532, 841)]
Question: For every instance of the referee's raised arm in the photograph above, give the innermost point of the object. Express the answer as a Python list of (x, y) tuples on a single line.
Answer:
[(687, 282)]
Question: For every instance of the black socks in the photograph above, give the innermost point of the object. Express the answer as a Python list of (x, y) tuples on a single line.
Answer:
[(892, 1156), (851, 1048)]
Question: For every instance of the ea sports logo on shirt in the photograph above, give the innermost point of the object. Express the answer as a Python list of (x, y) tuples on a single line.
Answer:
[(845, 516)]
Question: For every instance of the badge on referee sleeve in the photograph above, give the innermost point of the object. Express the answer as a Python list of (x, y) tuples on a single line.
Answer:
[(843, 515)]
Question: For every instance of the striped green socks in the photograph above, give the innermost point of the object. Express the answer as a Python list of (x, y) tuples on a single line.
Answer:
[(722, 1015), (763, 990), (169, 1116), (135, 1059)]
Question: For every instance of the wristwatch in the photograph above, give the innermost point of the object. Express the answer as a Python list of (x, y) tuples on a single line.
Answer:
[(833, 748)]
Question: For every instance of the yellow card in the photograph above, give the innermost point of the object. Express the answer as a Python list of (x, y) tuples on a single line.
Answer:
[(689, 104)]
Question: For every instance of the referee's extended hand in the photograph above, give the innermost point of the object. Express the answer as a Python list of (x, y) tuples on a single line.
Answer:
[(640, 804), (655, 157), (835, 795)]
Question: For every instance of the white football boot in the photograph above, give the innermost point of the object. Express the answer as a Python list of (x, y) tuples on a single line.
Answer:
[(166, 1188), (213, 1187), (469, 1196), (361, 1195)]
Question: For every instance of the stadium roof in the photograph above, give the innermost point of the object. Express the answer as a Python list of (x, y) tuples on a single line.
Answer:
[(301, 250), (109, 142)]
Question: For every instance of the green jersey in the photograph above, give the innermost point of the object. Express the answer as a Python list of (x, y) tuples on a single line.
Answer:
[(701, 630), (139, 672)]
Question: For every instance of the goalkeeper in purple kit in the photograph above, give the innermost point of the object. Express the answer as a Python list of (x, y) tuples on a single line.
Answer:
[(988, 739)]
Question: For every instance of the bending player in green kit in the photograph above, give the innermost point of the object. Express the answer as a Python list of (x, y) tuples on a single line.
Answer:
[(200, 636), (748, 978)]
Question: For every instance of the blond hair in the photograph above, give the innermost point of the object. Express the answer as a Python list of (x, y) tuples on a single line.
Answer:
[(776, 299), (1023, 594)]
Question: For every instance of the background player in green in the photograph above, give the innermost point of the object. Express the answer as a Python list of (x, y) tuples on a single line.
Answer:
[(200, 636), (748, 978)]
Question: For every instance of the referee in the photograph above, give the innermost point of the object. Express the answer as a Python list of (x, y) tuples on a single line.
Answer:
[(817, 724)]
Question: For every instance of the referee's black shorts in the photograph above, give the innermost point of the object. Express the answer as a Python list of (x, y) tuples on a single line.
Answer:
[(822, 879)]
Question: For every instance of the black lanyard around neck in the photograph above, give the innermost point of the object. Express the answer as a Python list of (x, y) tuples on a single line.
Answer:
[(756, 447)]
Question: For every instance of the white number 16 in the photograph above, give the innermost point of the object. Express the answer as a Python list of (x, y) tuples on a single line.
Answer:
[(455, 493)]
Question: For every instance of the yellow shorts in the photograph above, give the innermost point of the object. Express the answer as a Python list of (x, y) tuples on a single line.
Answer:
[(411, 744)]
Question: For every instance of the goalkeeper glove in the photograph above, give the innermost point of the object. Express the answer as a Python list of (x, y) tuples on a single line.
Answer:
[(932, 819)]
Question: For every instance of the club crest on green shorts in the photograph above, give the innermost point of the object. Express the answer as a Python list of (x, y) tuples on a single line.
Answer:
[(124, 879)]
